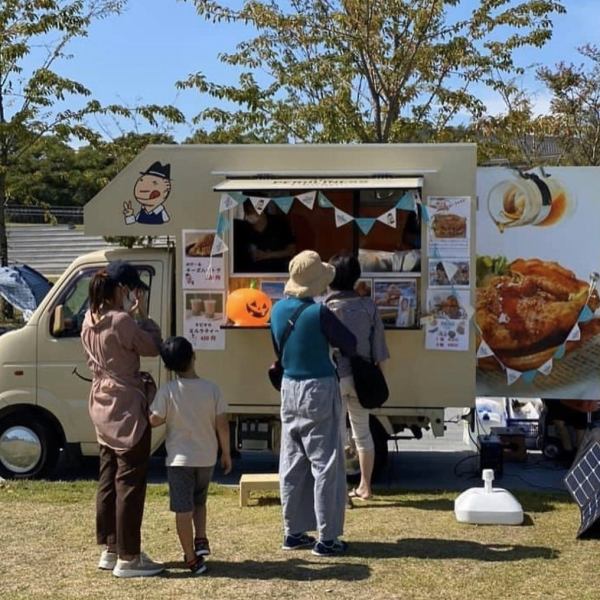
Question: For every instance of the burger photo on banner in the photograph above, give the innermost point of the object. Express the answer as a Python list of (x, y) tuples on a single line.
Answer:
[(537, 317)]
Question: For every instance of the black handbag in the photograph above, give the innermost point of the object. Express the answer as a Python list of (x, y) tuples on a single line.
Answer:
[(369, 382), (275, 371)]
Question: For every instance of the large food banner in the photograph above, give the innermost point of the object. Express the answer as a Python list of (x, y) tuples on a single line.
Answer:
[(538, 252)]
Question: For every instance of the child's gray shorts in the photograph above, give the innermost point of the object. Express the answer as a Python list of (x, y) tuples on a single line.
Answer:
[(188, 487)]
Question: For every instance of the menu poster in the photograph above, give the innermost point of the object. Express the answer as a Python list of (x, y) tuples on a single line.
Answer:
[(449, 272), (200, 270), (447, 323), (448, 226), (203, 317)]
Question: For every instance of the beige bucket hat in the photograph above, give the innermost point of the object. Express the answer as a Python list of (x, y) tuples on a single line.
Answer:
[(309, 276)]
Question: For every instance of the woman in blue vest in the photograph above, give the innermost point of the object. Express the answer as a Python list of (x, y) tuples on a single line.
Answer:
[(311, 464)]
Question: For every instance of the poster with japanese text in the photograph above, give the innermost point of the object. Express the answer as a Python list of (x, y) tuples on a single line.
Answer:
[(449, 226), (447, 322), (200, 270), (203, 317)]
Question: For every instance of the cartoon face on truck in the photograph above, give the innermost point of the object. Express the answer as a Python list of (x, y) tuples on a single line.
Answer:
[(151, 190)]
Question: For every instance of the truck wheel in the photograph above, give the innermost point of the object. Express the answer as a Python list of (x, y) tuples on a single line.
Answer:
[(380, 439), (28, 448)]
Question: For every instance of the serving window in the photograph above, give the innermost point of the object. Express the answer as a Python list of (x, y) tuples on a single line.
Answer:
[(264, 244)]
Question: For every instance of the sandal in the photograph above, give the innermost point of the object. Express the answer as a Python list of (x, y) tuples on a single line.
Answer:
[(355, 495)]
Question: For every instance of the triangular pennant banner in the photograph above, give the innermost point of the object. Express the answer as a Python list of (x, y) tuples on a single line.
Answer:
[(586, 314), (323, 201), (470, 311), (416, 194), (560, 352), (484, 350), (450, 269), (365, 224), (425, 213), (259, 204), (575, 334), (342, 218), (222, 224), (388, 218), (227, 202), (308, 199), (529, 376), (546, 368), (512, 375), (218, 247), (284, 203), (407, 202)]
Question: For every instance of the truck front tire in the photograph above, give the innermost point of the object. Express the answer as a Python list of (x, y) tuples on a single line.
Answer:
[(28, 448)]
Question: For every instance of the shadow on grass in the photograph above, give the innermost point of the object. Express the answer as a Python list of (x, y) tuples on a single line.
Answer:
[(291, 570), (437, 549), (423, 504)]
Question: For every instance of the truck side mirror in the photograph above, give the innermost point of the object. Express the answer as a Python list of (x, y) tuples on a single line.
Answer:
[(58, 323)]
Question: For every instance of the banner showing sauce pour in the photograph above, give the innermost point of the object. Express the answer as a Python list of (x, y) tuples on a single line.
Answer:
[(538, 323)]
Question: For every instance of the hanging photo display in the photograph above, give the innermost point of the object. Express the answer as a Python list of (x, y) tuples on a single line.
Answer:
[(200, 269), (203, 317), (273, 289), (537, 314), (396, 300), (448, 226)]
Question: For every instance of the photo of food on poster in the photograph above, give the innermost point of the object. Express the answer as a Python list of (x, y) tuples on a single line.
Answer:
[(203, 317), (449, 272), (448, 226), (537, 304), (200, 270), (396, 300), (447, 322)]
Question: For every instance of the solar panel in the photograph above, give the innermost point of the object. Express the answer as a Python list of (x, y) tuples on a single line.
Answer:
[(583, 483)]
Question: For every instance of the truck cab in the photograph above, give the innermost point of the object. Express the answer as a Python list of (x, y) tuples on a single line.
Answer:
[(45, 378)]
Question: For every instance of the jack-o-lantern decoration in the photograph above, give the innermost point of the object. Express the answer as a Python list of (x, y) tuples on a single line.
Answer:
[(249, 307)]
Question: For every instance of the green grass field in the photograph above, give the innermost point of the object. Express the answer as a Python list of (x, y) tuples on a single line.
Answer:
[(403, 545)]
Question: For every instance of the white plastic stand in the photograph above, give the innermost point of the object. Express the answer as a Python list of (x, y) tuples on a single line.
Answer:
[(488, 505)]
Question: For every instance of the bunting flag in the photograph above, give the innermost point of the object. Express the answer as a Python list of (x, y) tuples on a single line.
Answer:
[(407, 202), (227, 202), (529, 376), (259, 204), (284, 203), (484, 350), (560, 352), (586, 314), (450, 268), (575, 334), (470, 311), (308, 199), (218, 247), (388, 218), (342, 218), (512, 376), (425, 213), (222, 224), (365, 224), (546, 368), (323, 201)]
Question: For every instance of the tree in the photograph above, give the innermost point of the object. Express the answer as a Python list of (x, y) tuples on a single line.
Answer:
[(35, 100), (575, 106), (366, 70)]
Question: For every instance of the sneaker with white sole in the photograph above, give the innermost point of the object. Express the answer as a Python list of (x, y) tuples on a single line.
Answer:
[(298, 541), (329, 548), (141, 566), (108, 560)]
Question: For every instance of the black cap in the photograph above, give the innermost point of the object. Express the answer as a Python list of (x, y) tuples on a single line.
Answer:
[(158, 170), (126, 274)]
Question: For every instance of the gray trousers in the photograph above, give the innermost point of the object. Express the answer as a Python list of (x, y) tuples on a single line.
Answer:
[(311, 463)]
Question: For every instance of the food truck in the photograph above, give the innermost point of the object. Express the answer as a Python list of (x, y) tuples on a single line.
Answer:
[(232, 216)]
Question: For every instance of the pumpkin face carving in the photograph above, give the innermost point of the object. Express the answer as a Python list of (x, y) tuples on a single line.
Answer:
[(249, 307)]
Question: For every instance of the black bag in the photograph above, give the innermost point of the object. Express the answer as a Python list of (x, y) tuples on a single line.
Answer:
[(275, 371), (369, 382)]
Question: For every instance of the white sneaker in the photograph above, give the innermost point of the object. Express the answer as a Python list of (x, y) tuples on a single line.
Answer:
[(142, 566), (108, 560)]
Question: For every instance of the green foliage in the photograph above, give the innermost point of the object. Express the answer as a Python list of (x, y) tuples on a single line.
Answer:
[(37, 102), (365, 71)]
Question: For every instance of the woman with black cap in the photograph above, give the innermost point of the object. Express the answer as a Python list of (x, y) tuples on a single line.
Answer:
[(114, 341)]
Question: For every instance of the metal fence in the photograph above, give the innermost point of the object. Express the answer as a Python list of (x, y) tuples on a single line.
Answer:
[(64, 215)]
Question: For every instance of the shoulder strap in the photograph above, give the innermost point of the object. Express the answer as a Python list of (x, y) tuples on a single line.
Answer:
[(288, 330)]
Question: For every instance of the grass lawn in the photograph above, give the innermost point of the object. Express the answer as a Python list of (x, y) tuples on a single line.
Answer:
[(403, 545)]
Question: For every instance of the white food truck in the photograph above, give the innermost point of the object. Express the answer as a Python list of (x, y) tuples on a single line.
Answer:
[(406, 211)]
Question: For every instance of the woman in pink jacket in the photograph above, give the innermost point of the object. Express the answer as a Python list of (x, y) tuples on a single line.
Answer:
[(114, 341)]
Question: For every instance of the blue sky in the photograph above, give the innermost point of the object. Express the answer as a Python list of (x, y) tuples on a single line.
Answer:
[(138, 56)]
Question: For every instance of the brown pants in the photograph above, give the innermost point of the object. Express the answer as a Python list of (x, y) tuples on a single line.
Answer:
[(121, 496)]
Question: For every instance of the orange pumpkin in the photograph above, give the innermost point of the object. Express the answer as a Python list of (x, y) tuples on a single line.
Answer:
[(248, 307)]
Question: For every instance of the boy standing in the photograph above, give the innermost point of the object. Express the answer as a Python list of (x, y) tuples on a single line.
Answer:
[(197, 424)]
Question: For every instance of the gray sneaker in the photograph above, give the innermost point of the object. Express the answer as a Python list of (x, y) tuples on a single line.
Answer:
[(108, 560), (142, 566)]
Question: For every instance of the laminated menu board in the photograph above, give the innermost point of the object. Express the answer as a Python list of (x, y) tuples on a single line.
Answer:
[(201, 270), (203, 318), (448, 226)]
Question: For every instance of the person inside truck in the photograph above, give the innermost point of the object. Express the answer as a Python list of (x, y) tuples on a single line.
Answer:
[(361, 317), (116, 332), (311, 465), (263, 242)]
